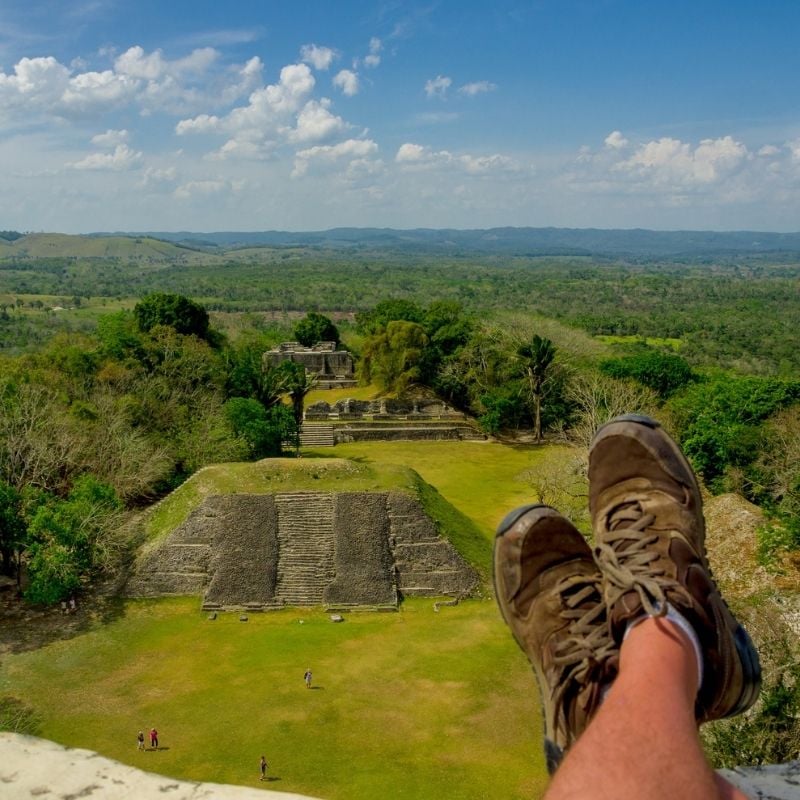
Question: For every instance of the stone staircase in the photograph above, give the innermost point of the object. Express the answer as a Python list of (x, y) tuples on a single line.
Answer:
[(306, 546), (316, 435), (469, 434)]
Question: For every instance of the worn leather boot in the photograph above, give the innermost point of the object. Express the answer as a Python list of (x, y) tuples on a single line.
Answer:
[(650, 546), (549, 592)]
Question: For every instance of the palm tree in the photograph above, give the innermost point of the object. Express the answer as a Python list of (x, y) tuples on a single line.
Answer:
[(298, 384), (536, 357)]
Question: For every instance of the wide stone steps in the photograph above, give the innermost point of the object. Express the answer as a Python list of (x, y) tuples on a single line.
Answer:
[(316, 436), (471, 435), (306, 544)]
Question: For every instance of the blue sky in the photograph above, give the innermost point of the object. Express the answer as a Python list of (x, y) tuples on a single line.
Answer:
[(146, 115)]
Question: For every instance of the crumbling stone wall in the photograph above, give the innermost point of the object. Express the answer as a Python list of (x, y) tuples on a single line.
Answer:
[(426, 563), (364, 563), (322, 359), (181, 564), (244, 568)]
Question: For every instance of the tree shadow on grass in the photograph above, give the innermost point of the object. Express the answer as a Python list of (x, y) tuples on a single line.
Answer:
[(28, 627)]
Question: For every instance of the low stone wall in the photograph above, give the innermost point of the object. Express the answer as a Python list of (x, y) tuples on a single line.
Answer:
[(304, 548), (382, 409), (388, 433)]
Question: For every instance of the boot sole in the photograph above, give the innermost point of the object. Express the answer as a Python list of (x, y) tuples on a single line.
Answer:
[(553, 754)]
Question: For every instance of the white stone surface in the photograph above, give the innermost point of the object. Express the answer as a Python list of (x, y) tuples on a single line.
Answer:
[(771, 782), (38, 768)]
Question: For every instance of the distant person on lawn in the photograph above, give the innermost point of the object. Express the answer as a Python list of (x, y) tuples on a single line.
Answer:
[(153, 738), (263, 765), (140, 741), (307, 678)]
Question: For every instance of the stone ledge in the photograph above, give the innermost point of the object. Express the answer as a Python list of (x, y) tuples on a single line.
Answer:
[(71, 772), (770, 782), (31, 767)]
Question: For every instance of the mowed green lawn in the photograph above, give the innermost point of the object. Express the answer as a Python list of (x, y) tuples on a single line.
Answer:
[(413, 704), (484, 480)]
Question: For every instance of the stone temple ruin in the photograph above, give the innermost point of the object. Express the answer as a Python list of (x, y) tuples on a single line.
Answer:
[(333, 368), (340, 550), (385, 419)]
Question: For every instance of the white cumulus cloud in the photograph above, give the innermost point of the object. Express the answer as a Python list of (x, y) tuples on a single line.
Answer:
[(110, 138), (373, 58), (123, 158), (44, 87), (319, 57), (135, 63), (615, 140), (315, 122), (410, 153), (478, 87), (154, 176), (203, 188), (415, 155), (438, 86), (349, 150), (347, 81), (669, 161)]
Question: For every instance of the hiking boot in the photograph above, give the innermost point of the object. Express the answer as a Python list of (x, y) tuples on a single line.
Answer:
[(550, 594), (650, 546)]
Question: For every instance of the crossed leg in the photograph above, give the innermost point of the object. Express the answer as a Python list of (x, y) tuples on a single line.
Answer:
[(643, 741)]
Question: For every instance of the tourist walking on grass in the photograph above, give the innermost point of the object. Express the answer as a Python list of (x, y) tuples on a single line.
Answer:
[(153, 738), (140, 741), (307, 678), (263, 766)]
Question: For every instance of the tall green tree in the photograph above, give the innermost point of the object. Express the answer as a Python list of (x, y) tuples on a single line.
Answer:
[(392, 357), (536, 357), (664, 373), (315, 327), (248, 376), (376, 320), (298, 383), (12, 530), (263, 430), (72, 539), (174, 310)]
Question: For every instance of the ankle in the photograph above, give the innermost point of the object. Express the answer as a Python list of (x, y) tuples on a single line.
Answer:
[(685, 627), (660, 648)]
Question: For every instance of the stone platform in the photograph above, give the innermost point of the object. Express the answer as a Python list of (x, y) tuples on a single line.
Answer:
[(334, 549)]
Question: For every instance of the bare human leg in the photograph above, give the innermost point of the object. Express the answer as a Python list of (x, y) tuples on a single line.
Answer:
[(643, 741)]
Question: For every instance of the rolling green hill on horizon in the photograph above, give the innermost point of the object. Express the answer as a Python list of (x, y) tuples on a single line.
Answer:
[(507, 241)]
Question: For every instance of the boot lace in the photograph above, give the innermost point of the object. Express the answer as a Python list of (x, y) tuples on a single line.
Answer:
[(583, 654), (626, 560)]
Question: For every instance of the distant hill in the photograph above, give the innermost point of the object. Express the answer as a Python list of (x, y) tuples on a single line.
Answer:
[(510, 241), (185, 247), (123, 248)]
